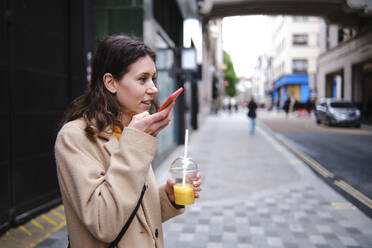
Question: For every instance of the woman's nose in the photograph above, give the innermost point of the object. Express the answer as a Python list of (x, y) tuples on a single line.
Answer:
[(152, 90)]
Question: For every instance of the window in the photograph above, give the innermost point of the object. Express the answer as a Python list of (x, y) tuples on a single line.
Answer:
[(342, 105), (300, 39), (299, 66)]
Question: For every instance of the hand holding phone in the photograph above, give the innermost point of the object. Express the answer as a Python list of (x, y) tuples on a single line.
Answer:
[(171, 98)]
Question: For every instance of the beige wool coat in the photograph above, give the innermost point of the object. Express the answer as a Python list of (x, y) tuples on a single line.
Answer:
[(101, 183)]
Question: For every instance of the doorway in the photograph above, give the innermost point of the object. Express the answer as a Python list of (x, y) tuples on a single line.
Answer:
[(367, 98)]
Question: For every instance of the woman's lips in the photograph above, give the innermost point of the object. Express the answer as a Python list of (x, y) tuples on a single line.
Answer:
[(147, 104)]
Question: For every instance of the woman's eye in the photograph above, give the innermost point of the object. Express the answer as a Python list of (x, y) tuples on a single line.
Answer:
[(143, 79)]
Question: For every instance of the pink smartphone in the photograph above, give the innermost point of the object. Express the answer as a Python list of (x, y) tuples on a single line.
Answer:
[(171, 98)]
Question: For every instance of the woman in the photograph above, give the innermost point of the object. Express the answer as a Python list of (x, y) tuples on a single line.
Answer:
[(105, 148), (252, 106)]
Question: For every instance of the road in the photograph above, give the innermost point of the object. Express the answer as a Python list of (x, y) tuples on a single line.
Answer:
[(345, 152)]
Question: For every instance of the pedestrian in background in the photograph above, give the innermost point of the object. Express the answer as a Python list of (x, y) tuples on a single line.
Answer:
[(286, 106), (252, 106), (105, 148), (309, 106)]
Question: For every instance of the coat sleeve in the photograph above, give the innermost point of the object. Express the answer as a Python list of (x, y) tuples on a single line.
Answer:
[(103, 200), (168, 210)]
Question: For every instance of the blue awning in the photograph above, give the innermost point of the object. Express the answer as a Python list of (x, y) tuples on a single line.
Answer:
[(292, 79)]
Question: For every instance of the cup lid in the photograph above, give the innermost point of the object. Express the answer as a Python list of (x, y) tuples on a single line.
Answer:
[(181, 163)]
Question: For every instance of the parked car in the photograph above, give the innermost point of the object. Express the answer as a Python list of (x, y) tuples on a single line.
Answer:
[(337, 112)]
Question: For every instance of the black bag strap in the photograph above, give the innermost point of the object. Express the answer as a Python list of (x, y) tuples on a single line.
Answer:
[(127, 224)]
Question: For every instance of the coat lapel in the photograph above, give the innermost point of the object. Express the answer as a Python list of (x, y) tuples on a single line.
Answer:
[(111, 142), (111, 146)]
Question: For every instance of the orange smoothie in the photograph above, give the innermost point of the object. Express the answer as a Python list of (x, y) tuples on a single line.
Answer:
[(184, 194)]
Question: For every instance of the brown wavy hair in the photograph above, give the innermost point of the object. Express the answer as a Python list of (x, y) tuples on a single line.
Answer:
[(97, 106)]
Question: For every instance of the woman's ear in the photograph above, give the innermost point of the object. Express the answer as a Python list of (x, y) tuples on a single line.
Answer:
[(109, 82)]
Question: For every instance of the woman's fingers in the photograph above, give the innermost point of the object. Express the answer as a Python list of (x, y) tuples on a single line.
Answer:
[(140, 121), (152, 124), (196, 191), (160, 124), (159, 116), (197, 183)]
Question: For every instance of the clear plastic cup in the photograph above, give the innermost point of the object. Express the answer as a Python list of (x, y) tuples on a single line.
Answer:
[(183, 171)]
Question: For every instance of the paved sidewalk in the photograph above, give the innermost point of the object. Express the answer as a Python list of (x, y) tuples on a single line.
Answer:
[(257, 194)]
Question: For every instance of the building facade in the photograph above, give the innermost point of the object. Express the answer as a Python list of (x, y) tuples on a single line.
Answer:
[(262, 80), (345, 65), (212, 67), (294, 57)]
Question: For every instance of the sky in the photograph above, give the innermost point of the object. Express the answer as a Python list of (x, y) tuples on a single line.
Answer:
[(244, 39)]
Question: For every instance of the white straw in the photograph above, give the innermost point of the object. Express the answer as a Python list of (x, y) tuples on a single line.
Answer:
[(185, 156), (186, 142), (184, 178)]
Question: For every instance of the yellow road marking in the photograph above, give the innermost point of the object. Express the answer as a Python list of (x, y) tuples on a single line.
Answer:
[(9, 235), (37, 224), (37, 237), (25, 230), (59, 215), (355, 193), (343, 205), (55, 229), (315, 165), (48, 219)]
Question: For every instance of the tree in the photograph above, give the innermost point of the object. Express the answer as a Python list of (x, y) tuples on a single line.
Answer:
[(230, 76)]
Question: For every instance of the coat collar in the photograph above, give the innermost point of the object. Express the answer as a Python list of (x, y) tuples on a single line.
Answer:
[(111, 143)]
